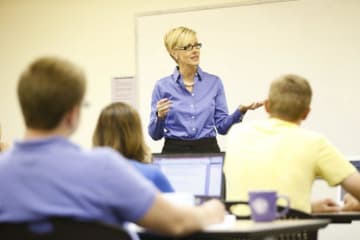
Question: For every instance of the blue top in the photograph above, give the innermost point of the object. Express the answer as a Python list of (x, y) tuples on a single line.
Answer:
[(155, 175), (192, 115), (53, 177)]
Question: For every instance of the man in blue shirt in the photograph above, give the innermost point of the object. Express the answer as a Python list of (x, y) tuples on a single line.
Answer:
[(45, 175)]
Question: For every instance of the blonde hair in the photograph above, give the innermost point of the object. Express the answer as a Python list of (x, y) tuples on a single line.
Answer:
[(289, 97), (119, 127), (178, 37)]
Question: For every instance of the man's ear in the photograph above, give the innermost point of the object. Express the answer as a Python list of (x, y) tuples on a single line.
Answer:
[(267, 106), (76, 115), (71, 118), (306, 113)]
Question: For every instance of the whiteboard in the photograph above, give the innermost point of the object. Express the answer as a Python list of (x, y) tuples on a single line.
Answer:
[(251, 43)]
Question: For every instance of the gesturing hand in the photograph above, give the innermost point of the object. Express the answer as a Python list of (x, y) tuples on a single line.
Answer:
[(251, 106), (163, 107)]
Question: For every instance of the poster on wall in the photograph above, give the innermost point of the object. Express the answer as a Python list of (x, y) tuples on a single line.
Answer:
[(123, 90)]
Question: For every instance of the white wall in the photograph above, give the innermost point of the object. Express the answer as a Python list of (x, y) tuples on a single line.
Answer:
[(99, 35), (248, 45)]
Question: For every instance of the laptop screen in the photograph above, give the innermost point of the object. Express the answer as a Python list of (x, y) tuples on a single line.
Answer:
[(199, 174)]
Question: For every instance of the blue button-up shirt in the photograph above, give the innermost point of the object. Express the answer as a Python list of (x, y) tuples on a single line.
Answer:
[(193, 115), (43, 178)]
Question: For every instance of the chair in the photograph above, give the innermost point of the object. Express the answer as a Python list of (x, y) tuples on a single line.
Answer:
[(292, 214), (62, 229)]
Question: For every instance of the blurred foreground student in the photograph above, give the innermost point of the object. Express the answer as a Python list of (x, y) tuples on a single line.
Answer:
[(276, 154), (119, 127), (47, 175)]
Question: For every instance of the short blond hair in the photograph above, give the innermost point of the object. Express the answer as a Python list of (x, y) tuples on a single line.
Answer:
[(289, 97), (178, 37)]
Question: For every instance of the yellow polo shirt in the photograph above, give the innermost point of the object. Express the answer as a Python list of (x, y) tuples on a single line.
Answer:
[(279, 155)]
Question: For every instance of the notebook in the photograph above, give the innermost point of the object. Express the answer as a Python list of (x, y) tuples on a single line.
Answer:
[(340, 191), (200, 174)]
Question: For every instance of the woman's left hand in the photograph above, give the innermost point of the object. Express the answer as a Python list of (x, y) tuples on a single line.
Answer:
[(251, 106)]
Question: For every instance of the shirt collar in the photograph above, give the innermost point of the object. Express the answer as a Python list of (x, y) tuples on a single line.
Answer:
[(278, 121), (41, 142), (176, 74)]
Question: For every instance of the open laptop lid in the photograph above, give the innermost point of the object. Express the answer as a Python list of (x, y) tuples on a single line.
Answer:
[(200, 174)]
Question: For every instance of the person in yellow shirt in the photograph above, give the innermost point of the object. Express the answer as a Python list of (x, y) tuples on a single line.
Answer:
[(276, 154)]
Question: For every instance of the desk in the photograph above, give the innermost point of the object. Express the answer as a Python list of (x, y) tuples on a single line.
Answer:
[(338, 217), (247, 229)]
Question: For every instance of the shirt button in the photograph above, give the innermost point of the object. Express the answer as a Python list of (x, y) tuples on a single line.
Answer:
[(192, 105), (192, 117), (193, 94), (194, 129)]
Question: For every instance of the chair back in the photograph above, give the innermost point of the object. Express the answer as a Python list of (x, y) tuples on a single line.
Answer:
[(62, 229)]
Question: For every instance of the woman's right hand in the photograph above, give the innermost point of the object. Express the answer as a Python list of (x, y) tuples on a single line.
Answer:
[(163, 107)]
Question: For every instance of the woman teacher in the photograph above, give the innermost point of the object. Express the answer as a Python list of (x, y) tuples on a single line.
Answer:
[(189, 107)]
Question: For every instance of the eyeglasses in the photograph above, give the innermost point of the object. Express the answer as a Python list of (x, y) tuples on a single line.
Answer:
[(190, 47)]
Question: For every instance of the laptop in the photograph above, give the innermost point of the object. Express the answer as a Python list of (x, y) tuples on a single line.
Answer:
[(340, 191), (200, 174)]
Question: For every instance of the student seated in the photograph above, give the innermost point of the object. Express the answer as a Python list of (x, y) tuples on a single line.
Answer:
[(119, 127), (276, 154), (46, 175)]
